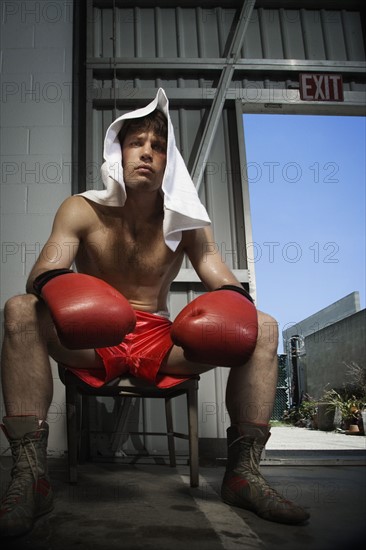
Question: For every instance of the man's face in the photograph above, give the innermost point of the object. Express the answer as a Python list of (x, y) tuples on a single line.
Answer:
[(143, 160)]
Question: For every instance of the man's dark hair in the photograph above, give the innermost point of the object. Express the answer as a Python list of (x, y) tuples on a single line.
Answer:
[(155, 121)]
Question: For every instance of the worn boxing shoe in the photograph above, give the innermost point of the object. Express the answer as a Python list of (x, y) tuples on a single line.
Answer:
[(29, 493), (243, 484)]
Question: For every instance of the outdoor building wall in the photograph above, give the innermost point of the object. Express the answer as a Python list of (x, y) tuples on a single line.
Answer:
[(328, 351), (348, 305), (324, 340)]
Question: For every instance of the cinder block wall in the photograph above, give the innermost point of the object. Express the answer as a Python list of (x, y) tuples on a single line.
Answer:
[(330, 350), (36, 78)]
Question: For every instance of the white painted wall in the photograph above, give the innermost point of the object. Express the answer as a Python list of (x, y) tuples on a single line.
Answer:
[(36, 77)]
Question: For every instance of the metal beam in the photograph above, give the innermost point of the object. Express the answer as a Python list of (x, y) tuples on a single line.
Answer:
[(270, 4), (259, 100), (213, 65), (219, 100)]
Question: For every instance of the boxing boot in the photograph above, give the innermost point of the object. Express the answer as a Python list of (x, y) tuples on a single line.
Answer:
[(29, 493), (243, 484)]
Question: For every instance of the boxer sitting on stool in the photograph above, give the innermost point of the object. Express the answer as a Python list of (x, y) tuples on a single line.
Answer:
[(109, 317)]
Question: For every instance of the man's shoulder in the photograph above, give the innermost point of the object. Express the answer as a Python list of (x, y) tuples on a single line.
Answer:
[(76, 200), (74, 204), (74, 211)]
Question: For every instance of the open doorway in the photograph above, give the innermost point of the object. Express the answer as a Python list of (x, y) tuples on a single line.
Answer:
[(306, 178), (306, 181)]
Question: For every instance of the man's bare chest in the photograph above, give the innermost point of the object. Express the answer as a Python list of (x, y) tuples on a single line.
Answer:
[(113, 248)]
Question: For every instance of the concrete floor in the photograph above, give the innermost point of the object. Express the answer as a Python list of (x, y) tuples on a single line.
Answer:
[(152, 507)]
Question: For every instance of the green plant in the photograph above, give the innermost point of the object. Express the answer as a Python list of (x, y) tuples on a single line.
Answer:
[(350, 398), (303, 414), (347, 404), (356, 385)]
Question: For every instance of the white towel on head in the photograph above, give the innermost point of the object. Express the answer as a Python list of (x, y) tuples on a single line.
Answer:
[(182, 207)]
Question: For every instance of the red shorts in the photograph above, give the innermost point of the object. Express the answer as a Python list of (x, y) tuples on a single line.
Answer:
[(140, 354)]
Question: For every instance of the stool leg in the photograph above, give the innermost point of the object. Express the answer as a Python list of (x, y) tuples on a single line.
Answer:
[(72, 431), (84, 430), (170, 431), (192, 405)]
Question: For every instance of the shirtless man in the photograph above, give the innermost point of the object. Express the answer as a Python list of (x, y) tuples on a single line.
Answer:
[(124, 246)]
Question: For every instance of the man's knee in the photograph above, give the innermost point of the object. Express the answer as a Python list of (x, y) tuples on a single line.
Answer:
[(267, 332), (25, 314), (20, 309)]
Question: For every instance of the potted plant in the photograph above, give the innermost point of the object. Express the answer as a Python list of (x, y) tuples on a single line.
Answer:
[(348, 405), (349, 399), (326, 414)]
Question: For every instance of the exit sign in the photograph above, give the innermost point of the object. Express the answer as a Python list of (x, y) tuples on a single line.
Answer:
[(321, 87)]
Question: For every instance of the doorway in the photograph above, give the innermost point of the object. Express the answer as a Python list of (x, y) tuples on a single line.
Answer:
[(306, 183)]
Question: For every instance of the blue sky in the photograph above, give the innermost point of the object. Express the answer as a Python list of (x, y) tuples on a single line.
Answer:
[(307, 195)]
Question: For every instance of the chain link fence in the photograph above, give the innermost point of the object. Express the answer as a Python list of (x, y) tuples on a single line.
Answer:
[(282, 402)]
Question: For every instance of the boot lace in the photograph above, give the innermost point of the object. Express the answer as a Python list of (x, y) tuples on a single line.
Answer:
[(24, 470), (251, 454)]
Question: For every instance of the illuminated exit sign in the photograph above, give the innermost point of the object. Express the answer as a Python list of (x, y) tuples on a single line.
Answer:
[(321, 87)]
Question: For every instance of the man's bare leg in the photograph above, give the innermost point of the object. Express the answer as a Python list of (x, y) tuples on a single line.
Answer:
[(29, 339), (27, 387), (25, 366), (250, 395), (251, 389)]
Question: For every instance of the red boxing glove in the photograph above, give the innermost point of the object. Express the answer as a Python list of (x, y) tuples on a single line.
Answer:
[(88, 313), (219, 328)]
